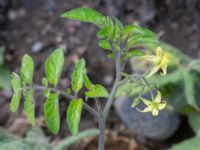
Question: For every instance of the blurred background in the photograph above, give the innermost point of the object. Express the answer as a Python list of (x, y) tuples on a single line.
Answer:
[(35, 27)]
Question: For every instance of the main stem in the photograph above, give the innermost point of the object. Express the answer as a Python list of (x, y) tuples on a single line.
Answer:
[(103, 115)]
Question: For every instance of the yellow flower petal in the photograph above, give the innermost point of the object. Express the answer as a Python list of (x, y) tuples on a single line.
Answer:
[(162, 105), (147, 109), (155, 112), (164, 70), (158, 97), (159, 51), (146, 102)]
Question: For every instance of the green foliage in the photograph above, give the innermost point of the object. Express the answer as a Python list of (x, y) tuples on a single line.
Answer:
[(54, 65), (27, 68), (84, 14), (16, 85), (134, 52), (77, 76), (44, 81), (191, 144), (194, 120), (51, 113), (87, 83), (189, 82), (97, 91), (29, 107), (34, 140), (74, 114), (65, 143)]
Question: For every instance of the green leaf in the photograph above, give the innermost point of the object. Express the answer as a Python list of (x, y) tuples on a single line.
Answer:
[(74, 114), (189, 85), (135, 52), (190, 144), (51, 113), (44, 81), (131, 30), (105, 44), (87, 83), (84, 14), (16, 85), (144, 41), (194, 121), (77, 76), (54, 65), (107, 28), (29, 107), (27, 68), (97, 91)]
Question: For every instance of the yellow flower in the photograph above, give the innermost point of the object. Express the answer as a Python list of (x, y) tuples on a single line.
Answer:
[(160, 61), (153, 106)]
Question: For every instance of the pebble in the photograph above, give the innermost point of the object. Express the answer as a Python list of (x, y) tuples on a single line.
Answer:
[(144, 125), (37, 47)]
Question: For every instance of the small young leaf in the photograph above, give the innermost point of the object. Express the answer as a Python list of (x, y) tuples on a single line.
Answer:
[(29, 107), (107, 29), (68, 90), (27, 68), (104, 44), (14, 105), (74, 114), (111, 56), (54, 65), (84, 14), (47, 92), (44, 81), (87, 83), (97, 91), (16, 85), (77, 76), (51, 113), (135, 52)]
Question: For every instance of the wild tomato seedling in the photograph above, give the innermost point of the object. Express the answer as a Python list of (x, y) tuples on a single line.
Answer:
[(121, 42)]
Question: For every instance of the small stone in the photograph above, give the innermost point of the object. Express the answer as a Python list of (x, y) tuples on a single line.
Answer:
[(12, 15), (144, 124), (37, 47)]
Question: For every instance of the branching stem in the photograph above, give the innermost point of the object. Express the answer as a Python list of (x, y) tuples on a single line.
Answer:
[(69, 97)]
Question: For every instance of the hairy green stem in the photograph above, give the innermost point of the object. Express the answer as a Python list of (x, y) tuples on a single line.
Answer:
[(63, 93)]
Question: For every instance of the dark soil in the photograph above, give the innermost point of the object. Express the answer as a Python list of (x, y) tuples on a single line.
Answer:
[(34, 27)]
